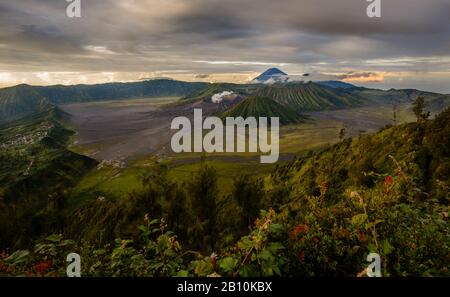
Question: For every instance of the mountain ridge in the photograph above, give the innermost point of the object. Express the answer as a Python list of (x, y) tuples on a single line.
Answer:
[(23, 99)]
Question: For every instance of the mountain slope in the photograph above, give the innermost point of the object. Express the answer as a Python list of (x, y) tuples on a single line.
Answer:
[(18, 101), (435, 101), (21, 100), (309, 96), (264, 107), (29, 145)]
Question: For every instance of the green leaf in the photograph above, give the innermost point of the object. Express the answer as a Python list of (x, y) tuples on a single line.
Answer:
[(143, 228), (163, 243), (246, 243), (359, 219), (386, 247), (153, 222), (18, 257), (156, 266), (183, 273), (248, 271), (53, 238), (67, 242), (276, 229), (274, 247), (228, 264), (372, 248), (373, 224), (276, 270), (265, 255), (202, 268)]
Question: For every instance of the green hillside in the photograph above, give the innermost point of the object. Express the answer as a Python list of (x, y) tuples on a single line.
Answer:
[(36, 170), (21, 100), (309, 96), (263, 107), (435, 101), (318, 96)]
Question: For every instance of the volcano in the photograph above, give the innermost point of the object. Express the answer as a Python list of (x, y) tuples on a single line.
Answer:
[(271, 76)]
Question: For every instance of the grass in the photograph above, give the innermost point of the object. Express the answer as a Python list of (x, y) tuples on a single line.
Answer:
[(108, 182), (115, 183), (226, 172)]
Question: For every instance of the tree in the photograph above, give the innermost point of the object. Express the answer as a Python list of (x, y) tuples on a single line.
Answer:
[(342, 134), (418, 108), (203, 191), (177, 214), (248, 192)]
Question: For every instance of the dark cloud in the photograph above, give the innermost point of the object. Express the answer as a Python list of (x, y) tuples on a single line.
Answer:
[(214, 24), (153, 35)]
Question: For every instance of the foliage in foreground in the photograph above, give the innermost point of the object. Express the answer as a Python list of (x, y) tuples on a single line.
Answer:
[(386, 193), (326, 241)]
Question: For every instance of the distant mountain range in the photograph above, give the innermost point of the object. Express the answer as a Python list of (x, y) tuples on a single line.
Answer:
[(18, 101), (336, 84), (22, 100)]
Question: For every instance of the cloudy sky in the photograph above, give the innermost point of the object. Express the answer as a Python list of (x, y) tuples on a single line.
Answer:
[(226, 40)]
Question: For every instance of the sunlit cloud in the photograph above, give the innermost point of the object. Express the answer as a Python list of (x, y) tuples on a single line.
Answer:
[(99, 49), (233, 40), (361, 77)]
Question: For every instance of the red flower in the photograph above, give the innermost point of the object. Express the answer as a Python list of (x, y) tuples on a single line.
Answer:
[(299, 229), (42, 267), (387, 183), (388, 180), (362, 237)]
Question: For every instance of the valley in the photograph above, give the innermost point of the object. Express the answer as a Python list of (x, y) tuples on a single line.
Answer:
[(129, 131), (138, 134)]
